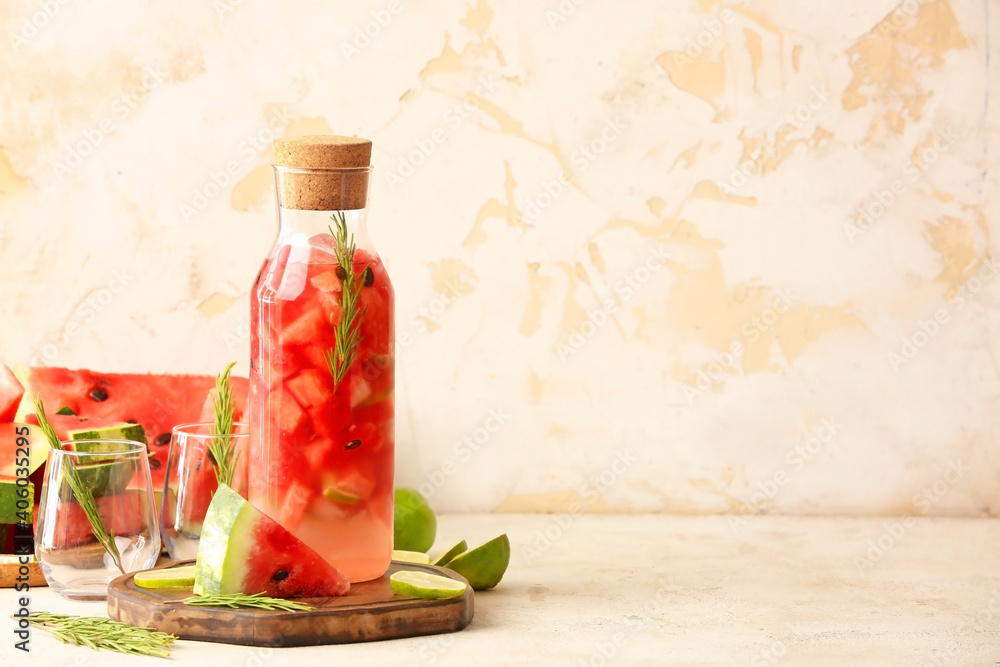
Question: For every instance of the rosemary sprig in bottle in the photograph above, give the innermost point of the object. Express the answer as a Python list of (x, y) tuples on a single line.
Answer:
[(255, 601), (98, 633), (81, 493), (347, 333), (221, 448)]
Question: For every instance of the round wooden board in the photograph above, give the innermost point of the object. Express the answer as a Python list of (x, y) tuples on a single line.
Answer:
[(370, 612)]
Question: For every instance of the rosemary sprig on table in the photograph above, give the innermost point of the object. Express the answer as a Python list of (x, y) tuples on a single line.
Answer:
[(82, 494), (347, 333), (98, 633), (255, 601), (224, 454)]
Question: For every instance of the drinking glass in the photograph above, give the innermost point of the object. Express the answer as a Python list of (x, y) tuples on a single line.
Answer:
[(111, 478), (190, 483)]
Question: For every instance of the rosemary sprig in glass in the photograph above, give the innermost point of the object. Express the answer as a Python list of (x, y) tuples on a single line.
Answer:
[(347, 333), (255, 601), (98, 633), (81, 493), (221, 448)]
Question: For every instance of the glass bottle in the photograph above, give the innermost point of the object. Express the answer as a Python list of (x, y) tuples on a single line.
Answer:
[(322, 396)]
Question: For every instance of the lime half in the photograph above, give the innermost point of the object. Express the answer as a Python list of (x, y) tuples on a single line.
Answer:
[(171, 577), (411, 557), (484, 566), (450, 554), (425, 585)]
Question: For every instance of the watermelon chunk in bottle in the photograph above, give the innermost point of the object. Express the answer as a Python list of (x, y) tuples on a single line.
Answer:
[(321, 436)]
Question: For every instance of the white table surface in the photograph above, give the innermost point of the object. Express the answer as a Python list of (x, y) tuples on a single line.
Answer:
[(657, 590)]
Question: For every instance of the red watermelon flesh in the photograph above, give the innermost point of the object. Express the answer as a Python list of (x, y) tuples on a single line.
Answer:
[(243, 550), (122, 513), (276, 550), (11, 392), (158, 402)]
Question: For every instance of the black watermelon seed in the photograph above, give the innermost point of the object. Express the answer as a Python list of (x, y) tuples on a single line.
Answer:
[(353, 444), (98, 394), (369, 276), (280, 574), (341, 273), (154, 464), (131, 421), (211, 457), (162, 439)]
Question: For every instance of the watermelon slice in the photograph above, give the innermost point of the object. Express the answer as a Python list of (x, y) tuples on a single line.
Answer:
[(71, 427), (38, 448), (158, 402), (11, 392), (12, 511), (242, 550)]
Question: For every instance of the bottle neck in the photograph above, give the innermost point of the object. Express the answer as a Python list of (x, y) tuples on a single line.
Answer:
[(297, 226)]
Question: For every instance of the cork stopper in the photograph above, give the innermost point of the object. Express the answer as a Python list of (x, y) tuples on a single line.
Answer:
[(323, 172)]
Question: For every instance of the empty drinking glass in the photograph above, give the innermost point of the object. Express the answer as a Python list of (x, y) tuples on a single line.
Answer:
[(190, 484)]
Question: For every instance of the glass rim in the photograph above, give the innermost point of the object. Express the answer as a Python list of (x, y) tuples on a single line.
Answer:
[(310, 170), (180, 430), (132, 447)]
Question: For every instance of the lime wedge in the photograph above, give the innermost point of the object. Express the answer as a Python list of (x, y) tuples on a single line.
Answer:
[(450, 554), (425, 585), (484, 566), (171, 577), (411, 557)]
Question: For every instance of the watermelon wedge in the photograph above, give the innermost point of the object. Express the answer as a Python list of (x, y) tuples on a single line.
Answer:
[(11, 392), (158, 402), (71, 427), (242, 550)]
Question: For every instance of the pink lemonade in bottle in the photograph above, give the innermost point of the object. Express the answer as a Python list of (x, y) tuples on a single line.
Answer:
[(322, 370)]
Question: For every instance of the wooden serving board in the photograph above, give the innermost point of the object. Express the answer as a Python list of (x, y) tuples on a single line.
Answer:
[(10, 572), (370, 612)]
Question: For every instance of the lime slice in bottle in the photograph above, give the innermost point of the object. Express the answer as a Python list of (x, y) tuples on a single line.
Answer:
[(450, 554), (411, 557), (425, 585), (342, 496), (171, 577), (484, 566)]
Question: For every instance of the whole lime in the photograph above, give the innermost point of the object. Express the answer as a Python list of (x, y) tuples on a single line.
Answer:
[(414, 525)]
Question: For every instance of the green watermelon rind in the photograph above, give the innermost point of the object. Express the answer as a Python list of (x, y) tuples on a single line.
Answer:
[(134, 432), (221, 525), (9, 495)]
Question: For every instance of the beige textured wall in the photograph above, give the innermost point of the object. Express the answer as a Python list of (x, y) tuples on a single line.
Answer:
[(685, 257)]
